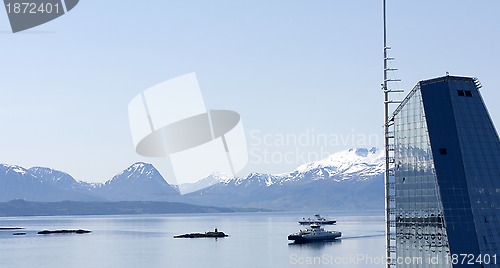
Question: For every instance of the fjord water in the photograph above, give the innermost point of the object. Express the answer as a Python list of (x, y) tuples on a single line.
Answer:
[(255, 240)]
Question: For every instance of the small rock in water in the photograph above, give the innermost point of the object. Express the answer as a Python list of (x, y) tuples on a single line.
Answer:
[(19, 234)]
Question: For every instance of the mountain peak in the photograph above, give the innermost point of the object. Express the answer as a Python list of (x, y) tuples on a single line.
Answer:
[(139, 181), (140, 166), (53, 176), (349, 161), (138, 169), (135, 171), (13, 168)]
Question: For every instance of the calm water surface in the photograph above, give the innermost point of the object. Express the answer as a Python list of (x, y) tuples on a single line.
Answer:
[(255, 240)]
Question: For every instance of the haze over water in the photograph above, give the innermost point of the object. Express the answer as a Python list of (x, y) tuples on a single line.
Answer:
[(255, 240)]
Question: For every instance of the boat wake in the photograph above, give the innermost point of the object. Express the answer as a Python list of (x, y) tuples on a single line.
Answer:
[(362, 236)]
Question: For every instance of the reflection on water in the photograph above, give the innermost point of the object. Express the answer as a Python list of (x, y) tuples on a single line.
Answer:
[(317, 244), (363, 236)]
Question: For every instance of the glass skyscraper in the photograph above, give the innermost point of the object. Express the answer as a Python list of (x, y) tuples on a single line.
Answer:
[(447, 177)]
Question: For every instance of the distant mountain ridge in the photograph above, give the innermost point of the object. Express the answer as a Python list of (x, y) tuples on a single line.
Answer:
[(41, 184), (351, 179), (345, 180), (27, 208)]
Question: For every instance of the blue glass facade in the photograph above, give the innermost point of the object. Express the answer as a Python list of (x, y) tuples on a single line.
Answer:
[(447, 177)]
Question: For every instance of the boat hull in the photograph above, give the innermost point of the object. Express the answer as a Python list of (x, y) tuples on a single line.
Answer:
[(297, 238)]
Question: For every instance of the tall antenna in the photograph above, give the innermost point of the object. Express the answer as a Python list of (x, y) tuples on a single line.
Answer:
[(389, 179)]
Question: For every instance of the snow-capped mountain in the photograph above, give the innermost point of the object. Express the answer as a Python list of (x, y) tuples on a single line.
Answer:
[(139, 182), (352, 164), (40, 184), (208, 181), (347, 179), (359, 163), (355, 175), (55, 177), (16, 182)]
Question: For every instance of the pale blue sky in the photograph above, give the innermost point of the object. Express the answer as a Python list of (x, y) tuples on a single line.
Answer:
[(290, 68)]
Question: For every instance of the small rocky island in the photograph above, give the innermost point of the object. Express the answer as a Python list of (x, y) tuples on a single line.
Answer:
[(79, 231), (214, 234)]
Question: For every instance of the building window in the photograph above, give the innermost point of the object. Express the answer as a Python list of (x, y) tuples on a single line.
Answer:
[(468, 93), (460, 93), (443, 151)]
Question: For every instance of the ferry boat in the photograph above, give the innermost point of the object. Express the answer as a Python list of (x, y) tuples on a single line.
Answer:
[(315, 233), (317, 220)]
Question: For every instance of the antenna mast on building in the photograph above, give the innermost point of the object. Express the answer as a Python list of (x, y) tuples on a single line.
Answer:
[(389, 180)]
